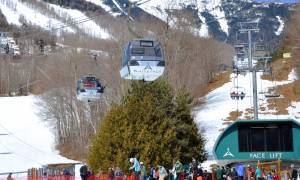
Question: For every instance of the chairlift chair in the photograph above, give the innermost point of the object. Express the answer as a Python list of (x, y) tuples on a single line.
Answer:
[(240, 51), (260, 47), (271, 93), (89, 88), (241, 65), (267, 71), (237, 93), (238, 71)]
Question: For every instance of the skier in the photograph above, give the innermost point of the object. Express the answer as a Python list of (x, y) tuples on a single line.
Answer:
[(143, 171), (177, 170), (9, 177), (294, 172), (136, 167), (83, 172), (258, 173), (240, 169), (162, 172), (199, 172)]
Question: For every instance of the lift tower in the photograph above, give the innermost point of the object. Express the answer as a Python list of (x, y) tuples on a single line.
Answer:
[(249, 28)]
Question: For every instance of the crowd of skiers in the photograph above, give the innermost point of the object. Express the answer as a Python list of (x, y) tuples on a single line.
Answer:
[(159, 172), (194, 171), (258, 172), (141, 171)]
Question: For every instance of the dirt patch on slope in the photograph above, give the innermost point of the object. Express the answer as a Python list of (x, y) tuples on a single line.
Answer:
[(280, 70), (217, 82), (233, 115), (289, 94)]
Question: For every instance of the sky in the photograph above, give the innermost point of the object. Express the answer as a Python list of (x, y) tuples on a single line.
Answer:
[(284, 1)]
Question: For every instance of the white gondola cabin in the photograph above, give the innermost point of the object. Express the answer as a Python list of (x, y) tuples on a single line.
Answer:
[(142, 60), (89, 89)]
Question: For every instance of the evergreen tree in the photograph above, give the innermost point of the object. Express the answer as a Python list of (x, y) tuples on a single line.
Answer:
[(152, 123)]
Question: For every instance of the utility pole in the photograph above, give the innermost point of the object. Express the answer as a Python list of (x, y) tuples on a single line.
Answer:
[(249, 28)]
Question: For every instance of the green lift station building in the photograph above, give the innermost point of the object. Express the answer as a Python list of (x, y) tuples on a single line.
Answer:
[(253, 140)]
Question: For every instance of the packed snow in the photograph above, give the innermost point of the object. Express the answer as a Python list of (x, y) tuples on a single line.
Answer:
[(281, 26), (86, 24), (101, 4), (203, 32), (11, 16), (294, 110), (158, 8), (16, 10), (218, 104), (214, 8), (28, 139), (119, 6)]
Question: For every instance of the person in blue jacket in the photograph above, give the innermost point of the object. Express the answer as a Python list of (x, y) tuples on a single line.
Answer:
[(240, 170), (136, 167)]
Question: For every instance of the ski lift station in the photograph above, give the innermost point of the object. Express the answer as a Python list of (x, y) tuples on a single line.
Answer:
[(263, 140)]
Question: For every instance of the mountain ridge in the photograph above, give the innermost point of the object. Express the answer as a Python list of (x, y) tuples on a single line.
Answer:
[(219, 19)]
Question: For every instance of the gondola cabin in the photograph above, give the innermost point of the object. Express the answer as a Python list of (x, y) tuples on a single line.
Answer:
[(142, 60), (89, 89)]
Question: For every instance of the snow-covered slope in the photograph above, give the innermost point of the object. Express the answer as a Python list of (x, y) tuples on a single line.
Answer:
[(51, 17), (87, 26), (14, 10), (104, 6), (218, 18), (281, 26), (218, 104), (159, 9), (28, 139)]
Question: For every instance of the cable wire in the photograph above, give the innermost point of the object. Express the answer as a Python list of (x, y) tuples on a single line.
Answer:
[(61, 26), (20, 140), (275, 100), (20, 155), (237, 102)]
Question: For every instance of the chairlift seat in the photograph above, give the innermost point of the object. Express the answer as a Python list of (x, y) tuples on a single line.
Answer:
[(272, 95), (237, 93)]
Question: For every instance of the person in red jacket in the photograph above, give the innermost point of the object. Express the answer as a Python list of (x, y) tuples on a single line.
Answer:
[(132, 176), (9, 177)]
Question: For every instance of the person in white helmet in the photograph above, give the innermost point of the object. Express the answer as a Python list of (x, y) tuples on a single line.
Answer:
[(136, 167)]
